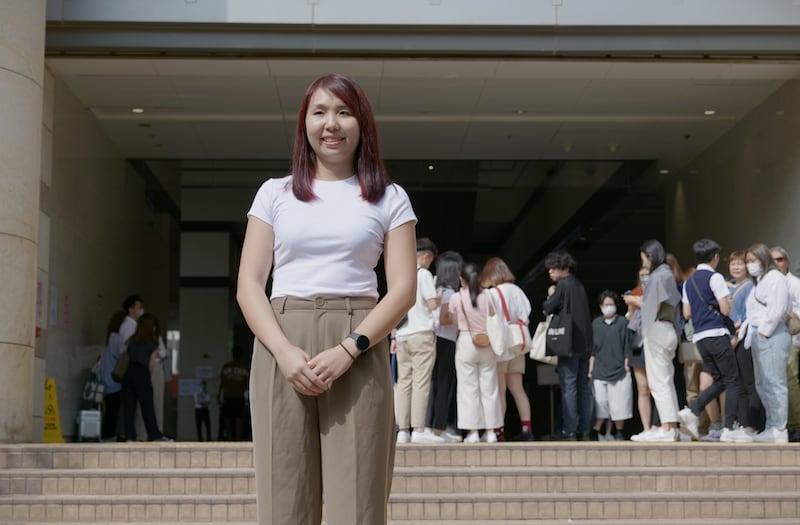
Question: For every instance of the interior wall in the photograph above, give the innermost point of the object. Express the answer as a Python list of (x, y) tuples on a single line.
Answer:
[(104, 244), (746, 187)]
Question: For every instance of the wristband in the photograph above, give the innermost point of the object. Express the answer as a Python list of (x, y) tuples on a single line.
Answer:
[(347, 351)]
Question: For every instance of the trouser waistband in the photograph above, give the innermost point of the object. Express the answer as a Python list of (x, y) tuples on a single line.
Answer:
[(282, 304)]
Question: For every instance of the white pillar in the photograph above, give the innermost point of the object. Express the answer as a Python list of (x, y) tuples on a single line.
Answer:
[(22, 24)]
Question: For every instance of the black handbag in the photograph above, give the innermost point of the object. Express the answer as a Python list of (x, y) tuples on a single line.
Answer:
[(559, 332)]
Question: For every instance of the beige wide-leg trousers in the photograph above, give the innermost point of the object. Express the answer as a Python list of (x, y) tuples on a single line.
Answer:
[(339, 445)]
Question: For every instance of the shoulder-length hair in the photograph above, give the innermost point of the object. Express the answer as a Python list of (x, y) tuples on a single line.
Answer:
[(146, 329), (495, 272), (448, 268), (368, 164), (654, 251), (115, 322), (762, 252), (471, 275)]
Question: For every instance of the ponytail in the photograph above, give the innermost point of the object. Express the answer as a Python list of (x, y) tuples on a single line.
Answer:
[(471, 273)]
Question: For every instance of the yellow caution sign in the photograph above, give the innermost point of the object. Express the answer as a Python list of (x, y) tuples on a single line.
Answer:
[(52, 418)]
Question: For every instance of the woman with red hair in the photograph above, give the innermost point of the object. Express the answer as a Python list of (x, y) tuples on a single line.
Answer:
[(320, 391)]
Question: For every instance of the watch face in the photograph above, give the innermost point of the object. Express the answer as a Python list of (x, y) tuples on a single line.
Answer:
[(362, 342)]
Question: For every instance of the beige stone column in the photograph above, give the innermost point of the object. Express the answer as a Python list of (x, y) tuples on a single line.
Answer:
[(22, 26)]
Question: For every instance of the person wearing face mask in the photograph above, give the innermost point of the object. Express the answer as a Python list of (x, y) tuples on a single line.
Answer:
[(751, 411), (781, 257), (766, 333), (134, 307), (609, 369), (660, 333)]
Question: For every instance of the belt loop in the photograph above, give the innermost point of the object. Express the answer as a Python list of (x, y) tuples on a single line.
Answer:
[(283, 304), (348, 306)]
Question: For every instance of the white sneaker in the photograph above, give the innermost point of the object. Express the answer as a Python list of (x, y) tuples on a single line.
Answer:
[(473, 438), (738, 435), (660, 435), (642, 435), (772, 435), (426, 437), (451, 437), (403, 437), (490, 436), (689, 422), (714, 435)]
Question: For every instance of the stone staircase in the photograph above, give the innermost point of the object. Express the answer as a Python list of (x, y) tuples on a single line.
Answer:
[(504, 483)]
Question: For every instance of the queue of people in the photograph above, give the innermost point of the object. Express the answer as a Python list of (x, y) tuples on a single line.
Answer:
[(741, 385)]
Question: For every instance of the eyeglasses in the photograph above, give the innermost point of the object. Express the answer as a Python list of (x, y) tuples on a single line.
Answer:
[(779, 259)]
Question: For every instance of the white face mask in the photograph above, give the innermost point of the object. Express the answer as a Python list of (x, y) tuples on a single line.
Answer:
[(609, 310), (754, 269)]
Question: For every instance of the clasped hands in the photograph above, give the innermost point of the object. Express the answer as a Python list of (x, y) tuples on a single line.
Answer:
[(314, 376)]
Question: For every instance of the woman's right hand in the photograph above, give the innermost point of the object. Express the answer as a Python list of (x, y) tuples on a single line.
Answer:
[(293, 362)]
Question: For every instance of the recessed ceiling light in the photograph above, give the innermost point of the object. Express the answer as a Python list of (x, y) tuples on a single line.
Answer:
[(709, 112), (431, 167), (664, 172), (567, 148), (520, 112), (138, 111)]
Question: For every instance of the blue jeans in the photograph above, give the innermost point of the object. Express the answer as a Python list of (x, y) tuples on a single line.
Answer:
[(770, 356), (576, 400)]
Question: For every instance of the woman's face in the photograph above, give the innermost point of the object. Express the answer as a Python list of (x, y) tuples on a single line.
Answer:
[(332, 130), (750, 258), (737, 269), (645, 261)]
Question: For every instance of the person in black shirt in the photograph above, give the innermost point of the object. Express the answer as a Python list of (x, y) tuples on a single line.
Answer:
[(573, 370), (609, 368), (136, 386)]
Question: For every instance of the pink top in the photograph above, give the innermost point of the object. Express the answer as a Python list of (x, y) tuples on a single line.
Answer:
[(477, 315)]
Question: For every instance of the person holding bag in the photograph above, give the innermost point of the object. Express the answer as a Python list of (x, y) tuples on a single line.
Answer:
[(508, 297), (477, 395), (570, 301)]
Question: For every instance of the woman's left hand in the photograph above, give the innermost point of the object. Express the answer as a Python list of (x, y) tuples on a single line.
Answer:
[(330, 364)]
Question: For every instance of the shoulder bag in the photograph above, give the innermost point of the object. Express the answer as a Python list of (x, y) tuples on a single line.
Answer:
[(94, 389), (121, 367), (479, 339), (539, 342), (517, 337)]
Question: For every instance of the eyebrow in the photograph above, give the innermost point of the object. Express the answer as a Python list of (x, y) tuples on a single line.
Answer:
[(325, 106)]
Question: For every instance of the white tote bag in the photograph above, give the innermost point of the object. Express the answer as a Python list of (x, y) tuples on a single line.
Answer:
[(539, 344)]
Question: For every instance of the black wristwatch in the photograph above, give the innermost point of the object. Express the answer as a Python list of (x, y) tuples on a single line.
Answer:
[(362, 342)]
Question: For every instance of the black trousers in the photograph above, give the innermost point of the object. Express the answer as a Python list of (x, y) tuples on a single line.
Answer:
[(720, 361), (442, 394), (137, 388), (113, 403), (202, 417), (751, 411)]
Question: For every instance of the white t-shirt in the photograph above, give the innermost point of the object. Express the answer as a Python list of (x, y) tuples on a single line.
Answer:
[(448, 331), (331, 245), (420, 317)]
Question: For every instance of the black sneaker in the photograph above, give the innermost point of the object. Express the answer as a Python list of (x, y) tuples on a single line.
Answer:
[(794, 435), (523, 436)]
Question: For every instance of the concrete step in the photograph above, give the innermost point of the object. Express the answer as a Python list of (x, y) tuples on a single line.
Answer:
[(428, 480), (705, 521), (490, 507), (535, 454)]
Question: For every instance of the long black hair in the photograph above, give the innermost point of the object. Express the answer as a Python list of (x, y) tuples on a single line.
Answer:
[(448, 268), (654, 251), (471, 273)]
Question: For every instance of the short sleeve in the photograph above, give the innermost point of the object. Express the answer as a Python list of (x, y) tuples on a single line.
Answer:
[(719, 287), (398, 207), (263, 204), (685, 297), (426, 284)]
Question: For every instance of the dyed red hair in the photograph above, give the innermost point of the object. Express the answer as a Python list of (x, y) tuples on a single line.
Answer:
[(369, 168)]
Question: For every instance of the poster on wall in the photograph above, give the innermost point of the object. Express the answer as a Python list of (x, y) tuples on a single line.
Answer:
[(39, 304), (188, 386), (53, 306), (204, 372)]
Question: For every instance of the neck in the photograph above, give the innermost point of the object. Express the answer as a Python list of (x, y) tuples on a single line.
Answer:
[(333, 172)]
